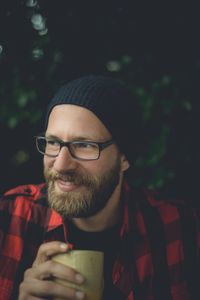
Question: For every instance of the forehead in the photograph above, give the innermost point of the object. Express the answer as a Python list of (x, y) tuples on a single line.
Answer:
[(75, 120)]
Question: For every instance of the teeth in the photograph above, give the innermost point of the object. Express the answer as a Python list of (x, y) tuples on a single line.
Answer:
[(67, 182)]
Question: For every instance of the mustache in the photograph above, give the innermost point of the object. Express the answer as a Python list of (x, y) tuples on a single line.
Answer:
[(78, 179)]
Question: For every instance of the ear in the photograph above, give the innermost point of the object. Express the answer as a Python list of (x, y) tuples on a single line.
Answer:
[(124, 163)]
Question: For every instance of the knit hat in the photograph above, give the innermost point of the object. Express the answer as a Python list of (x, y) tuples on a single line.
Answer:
[(111, 101)]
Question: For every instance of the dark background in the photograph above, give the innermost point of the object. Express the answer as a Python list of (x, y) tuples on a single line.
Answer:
[(155, 48)]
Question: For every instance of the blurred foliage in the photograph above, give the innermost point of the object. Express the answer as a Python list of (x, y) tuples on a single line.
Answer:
[(157, 53)]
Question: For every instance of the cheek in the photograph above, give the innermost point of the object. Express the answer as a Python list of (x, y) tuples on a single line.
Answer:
[(104, 164), (48, 162)]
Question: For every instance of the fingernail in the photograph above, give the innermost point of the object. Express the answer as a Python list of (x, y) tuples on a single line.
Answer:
[(79, 295), (63, 246), (79, 278)]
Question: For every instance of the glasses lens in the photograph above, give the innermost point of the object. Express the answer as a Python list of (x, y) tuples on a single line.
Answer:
[(41, 144), (48, 146), (85, 150)]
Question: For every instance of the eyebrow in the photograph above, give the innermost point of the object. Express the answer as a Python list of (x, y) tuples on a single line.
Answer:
[(77, 138)]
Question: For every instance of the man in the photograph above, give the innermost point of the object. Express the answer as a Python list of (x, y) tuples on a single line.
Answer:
[(151, 246)]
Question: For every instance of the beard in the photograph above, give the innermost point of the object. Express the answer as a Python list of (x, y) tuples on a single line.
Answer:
[(86, 202)]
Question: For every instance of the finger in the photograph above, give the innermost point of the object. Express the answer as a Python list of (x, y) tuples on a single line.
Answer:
[(31, 298), (49, 249), (51, 269), (24, 296), (47, 289)]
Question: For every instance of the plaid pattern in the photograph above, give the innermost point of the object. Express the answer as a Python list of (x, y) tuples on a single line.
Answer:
[(158, 258)]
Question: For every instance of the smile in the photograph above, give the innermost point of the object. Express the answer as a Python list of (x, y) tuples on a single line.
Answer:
[(66, 186)]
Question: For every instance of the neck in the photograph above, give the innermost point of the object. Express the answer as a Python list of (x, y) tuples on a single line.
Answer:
[(106, 218)]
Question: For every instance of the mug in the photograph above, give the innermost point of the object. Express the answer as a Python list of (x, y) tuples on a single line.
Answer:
[(90, 264)]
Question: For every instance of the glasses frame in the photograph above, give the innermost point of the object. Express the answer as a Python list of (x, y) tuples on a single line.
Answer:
[(101, 146)]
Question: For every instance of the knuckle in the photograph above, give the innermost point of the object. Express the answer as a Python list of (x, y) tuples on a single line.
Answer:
[(48, 248), (27, 273), (42, 248)]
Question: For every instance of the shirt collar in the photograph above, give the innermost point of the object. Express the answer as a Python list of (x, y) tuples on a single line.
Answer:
[(54, 221), (125, 225)]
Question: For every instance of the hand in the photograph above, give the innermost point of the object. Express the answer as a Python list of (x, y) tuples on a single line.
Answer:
[(38, 283)]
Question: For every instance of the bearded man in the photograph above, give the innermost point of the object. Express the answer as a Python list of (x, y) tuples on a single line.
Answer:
[(90, 141)]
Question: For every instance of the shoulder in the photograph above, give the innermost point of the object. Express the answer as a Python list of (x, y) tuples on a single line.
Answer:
[(160, 200), (158, 216), (157, 199), (22, 197), (155, 204), (30, 190), (168, 209)]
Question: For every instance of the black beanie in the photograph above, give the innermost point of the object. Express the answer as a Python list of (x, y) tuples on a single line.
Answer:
[(111, 101)]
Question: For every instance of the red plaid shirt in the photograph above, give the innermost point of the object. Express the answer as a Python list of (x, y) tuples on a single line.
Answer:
[(158, 258)]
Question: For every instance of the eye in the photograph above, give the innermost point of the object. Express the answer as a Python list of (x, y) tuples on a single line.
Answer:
[(85, 145), (52, 143)]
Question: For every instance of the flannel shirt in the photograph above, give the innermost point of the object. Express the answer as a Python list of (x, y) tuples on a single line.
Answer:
[(157, 259)]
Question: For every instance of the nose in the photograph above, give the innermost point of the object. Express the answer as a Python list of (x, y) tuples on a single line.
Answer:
[(64, 161)]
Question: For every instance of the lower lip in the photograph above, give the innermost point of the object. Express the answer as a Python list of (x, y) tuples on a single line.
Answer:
[(66, 187)]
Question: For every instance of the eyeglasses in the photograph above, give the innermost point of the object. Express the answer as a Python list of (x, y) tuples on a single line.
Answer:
[(81, 150)]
